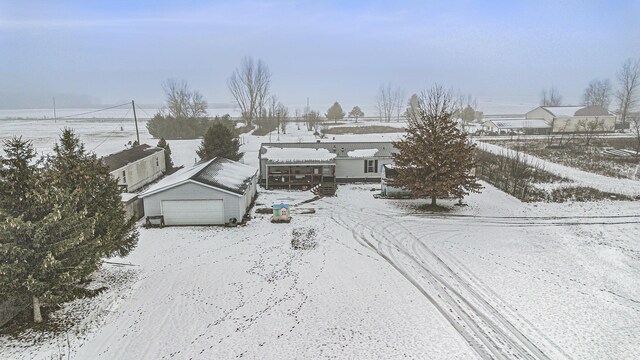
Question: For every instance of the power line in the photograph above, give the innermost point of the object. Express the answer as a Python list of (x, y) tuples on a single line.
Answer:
[(94, 111), (146, 113), (113, 131)]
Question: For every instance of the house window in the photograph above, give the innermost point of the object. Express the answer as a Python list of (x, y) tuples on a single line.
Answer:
[(157, 161), (124, 176), (370, 166)]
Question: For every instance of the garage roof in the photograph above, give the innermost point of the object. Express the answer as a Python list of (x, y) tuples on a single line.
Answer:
[(220, 173)]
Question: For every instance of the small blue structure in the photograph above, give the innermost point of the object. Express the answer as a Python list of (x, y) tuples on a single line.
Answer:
[(280, 213)]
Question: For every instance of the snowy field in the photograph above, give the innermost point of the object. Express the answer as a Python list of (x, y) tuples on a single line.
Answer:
[(497, 279)]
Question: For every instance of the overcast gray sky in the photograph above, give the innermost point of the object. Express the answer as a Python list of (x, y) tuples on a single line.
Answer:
[(113, 51)]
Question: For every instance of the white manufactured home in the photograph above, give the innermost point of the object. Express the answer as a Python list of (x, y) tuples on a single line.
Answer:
[(136, 167), (304, 165), (213, 192)]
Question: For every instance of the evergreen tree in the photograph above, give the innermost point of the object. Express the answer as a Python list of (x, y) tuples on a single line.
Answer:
[(168, 162), (335, 112), (43, 258), (43, 229), (73, 169), (356, 113), (17, 176), (219, 141), (435, 159)]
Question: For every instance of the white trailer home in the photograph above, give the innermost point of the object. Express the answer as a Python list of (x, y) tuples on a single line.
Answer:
[(304, 165), (136, 167)]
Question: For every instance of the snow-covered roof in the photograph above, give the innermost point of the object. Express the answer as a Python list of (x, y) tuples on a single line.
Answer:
[(122, 158), (362, 153), (563, 110), (220, 173), (517, 123), (296, 155), (126, 197), (338, 149)]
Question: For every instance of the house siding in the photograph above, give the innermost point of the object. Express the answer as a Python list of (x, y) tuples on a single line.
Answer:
[(141, 172), (353, 168)]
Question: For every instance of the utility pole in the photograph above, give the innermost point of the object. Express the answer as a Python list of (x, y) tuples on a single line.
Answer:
[(135, 118), (55, 117)]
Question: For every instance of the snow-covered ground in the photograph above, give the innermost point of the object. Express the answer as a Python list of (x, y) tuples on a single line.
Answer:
[(579, 177), (495, 279)]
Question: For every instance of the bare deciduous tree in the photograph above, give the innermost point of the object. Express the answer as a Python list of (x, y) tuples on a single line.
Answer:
[(249, 84), (634, 122), (598, 92), (356, 113), (589, 127), (389, 102), (629, 81), (183, 102), (551, 97)]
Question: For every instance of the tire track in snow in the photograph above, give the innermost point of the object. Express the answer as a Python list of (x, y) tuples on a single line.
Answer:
[(489, 333)]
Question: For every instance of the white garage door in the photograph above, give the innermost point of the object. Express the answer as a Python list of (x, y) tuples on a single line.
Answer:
[(193, 212)]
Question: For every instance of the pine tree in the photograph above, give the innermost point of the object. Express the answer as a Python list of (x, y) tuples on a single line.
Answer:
[(219, 141), (41, 230), (167, 154), (73, 169), (335, 112), (435, 158), (17, 175)]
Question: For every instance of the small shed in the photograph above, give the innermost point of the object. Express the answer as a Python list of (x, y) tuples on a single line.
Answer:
[(213, 192), (281, 213)]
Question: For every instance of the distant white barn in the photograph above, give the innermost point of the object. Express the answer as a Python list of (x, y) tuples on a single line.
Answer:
[(213, 192), (574, 118)]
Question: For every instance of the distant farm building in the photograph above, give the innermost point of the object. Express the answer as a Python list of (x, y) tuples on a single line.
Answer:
[(574, 119), (136, 167), (305, 165), (213, 192), (513, 125)]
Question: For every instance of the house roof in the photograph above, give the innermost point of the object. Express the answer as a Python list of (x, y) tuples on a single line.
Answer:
[(562, 110), (219, 173), (568, 111), (120, 159), (517, 123), (362, 153), (595, 110), (296, 155), (339, 149)]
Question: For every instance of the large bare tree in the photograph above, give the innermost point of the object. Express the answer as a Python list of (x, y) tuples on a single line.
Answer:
[(182, 102), (249, 84), (389, 102), (629, 82), (598, 92), (551, 97)]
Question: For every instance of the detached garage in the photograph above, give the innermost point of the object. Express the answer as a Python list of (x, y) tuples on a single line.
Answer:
[(213, 192)]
